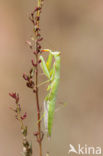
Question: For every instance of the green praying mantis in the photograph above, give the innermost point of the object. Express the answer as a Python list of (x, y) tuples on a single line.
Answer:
[(52, 72)]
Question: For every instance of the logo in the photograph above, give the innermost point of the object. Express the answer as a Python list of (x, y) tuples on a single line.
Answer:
[(80, 150)]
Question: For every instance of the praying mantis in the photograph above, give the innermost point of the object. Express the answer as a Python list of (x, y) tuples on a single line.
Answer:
[(52, 72)]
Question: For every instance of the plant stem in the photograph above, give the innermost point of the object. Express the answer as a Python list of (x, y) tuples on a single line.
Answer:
[(38, 108), (37, 91)]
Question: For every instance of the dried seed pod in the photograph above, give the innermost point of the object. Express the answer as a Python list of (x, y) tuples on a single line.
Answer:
[(30, 84), (37, 18), (31, 73), (29, 44), (37, 9), (35, 52), (15, 96), (34, 64), (25, 77), (40, 39), (24, 116)]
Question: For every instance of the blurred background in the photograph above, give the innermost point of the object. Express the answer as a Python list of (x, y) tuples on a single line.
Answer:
[(76, 29)]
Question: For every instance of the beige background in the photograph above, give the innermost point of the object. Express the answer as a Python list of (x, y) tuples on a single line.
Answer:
[(76, 29)]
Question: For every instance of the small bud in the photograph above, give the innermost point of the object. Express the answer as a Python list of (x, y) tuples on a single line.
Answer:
[(24, 116), (29, 44), (37, 9), (25, 143), (25, 77), (37, 29), (40, 39), (15, 96), (34, 90), (32, 14), (32, 61), (39, 61), (30, 84), (35, 52), (37, 18), (38, 46), (36, 133), (32, 20), (32, 71), (39, 50)]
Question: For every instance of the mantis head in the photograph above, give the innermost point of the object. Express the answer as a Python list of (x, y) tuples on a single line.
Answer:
[(54, 53)]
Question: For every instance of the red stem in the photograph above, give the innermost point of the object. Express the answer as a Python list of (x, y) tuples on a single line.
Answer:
[(38, 108)]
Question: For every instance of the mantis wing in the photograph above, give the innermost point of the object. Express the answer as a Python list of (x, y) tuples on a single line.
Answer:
[(51, 104), (46, 116)]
